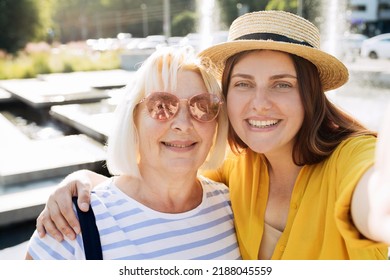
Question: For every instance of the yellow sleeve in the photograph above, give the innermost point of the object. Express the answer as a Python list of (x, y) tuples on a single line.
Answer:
[(214, 175), (354, 157), (222, 174)]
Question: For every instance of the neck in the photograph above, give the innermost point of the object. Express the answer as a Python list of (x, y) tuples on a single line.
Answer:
[(283, 174), (283, 170), (163, 193)]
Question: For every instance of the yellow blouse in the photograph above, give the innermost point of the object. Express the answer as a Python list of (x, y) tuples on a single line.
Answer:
[(319, 224)]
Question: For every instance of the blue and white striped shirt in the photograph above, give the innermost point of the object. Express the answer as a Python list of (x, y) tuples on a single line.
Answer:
[(131, 231)]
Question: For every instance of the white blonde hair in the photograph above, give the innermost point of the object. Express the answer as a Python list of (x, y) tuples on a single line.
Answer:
[(159, 71)]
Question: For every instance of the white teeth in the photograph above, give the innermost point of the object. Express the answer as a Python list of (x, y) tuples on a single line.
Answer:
[(262, 124), (176, 145)]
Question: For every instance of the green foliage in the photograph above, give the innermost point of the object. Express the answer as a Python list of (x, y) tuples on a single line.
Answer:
[(288, 6), (18, 22), (80, 20), (230, 9), (67, 67), (23, 21), (58, 61), (40, 64), (184, 23)]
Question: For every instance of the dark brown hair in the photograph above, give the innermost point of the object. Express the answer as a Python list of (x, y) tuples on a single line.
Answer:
[(324, 125)]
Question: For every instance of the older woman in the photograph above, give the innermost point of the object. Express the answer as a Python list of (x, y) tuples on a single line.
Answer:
[(171, 123)]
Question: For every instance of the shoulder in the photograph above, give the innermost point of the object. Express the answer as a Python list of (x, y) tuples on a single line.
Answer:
[(213, 189), (360, 148), (106, 196), (215, 196), (236, 163), (358, 141), (211, 185), (354, 152), (237, 166), (48, 248), (105, 189), (347, 164)]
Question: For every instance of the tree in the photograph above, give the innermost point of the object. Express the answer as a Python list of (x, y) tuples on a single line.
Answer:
[(80, 20), (231, 9), (184, 23), (19, 21), (22, 21), (288, 6)]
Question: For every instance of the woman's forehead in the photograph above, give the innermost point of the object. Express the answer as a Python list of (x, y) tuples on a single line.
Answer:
[(264, 61)]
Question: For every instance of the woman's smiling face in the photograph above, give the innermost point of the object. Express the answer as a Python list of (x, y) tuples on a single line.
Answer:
[(263, 101), (179, 144)]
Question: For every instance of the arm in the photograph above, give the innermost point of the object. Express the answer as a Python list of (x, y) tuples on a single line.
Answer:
[(58, 217), (371, 199), (28, 257)]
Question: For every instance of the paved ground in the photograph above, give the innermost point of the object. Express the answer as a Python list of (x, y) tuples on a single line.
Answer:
[(17, 252)]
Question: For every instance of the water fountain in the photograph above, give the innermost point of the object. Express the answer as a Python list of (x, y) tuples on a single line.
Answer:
[(206, 11), (366, 94), (52, 146), (333, 25), (51, 126)]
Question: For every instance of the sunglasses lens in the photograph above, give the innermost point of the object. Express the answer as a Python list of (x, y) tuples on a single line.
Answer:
[(204, 107), (162, 106)]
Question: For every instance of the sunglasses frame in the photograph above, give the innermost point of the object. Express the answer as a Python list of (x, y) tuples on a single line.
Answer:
[(187, 100)]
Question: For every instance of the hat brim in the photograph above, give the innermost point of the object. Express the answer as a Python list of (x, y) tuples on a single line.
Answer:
[(332, 72)]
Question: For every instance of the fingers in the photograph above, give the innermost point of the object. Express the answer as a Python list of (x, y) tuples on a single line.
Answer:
[(40, 223), (83, 199), (45, 225), (383, 148), (379, 212), (84, 187), (62, 213), (58, 217), (81, 187), (379, 184)]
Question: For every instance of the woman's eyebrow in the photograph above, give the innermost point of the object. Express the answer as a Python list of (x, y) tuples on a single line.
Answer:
[(280, 76), (240, 75), (274, 77)]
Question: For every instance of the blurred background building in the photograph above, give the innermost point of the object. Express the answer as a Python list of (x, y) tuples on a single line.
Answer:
[(369, 17)]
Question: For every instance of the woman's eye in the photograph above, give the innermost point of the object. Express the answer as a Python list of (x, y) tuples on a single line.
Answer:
[(283, 85), (242, 84)]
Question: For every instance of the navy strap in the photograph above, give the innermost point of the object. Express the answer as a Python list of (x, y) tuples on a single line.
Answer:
[(273, 37), (90, 233)]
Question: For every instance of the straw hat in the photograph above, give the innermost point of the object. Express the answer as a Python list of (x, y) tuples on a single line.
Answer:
[(281, 31)]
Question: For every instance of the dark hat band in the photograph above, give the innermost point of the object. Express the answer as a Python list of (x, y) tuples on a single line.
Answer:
[(273, 37)]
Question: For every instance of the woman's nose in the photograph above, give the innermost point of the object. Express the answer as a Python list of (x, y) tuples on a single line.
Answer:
[(261, 100), (183, 120)]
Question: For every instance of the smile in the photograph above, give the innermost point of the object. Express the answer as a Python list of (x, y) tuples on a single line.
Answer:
[(263, 124), (182, 146)]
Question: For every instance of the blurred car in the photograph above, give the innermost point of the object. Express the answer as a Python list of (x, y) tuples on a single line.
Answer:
[(133, 44), (352, 43), (220, 37), (152, 42), (376, 47), (346, 46), (199, 40), (103, 44), (192, 39), (174, 41)]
